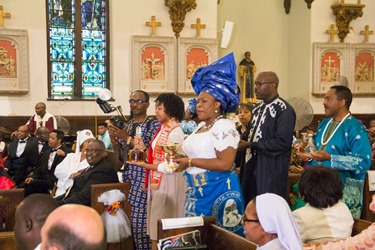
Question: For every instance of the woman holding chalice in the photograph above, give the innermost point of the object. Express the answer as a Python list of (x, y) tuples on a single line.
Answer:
[(165, 189), (213, 187)]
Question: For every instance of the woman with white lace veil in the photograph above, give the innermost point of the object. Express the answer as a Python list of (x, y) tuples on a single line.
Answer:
[(213, 187), (73, 163)]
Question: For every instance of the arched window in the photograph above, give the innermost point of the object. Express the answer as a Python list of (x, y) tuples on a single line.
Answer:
[(78, 42)]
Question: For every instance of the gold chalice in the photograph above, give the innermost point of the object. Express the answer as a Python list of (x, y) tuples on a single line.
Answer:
[(170, 148)]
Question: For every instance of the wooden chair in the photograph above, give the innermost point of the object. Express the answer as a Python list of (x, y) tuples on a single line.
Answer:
[(96, 191), (9, 200), (213, 236)]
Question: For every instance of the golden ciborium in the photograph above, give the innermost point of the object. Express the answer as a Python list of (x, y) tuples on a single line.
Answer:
[(170, 148)]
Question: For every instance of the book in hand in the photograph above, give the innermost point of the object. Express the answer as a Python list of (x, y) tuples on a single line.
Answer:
[(192, 238)]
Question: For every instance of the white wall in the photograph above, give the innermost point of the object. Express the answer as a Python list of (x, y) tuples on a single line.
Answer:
[(127, 19), (283, 43)]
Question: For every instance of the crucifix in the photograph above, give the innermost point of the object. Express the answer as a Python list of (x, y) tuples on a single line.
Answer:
[(3, 15), (332, 32), (153, 25), (198, 26), (367, 33)]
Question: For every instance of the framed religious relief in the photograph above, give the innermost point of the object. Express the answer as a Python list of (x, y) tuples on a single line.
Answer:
[(193, 53), (14, 59), (331, 60), (362, 69), (153, 68)]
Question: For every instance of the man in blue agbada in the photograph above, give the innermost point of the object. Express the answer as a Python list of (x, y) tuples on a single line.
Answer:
[(213, 187), (344, 145)]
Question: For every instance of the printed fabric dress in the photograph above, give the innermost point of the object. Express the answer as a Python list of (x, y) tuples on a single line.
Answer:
[(214, 193), (137, 194)]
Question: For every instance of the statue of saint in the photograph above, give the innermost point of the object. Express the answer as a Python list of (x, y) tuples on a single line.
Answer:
[(250, 69)]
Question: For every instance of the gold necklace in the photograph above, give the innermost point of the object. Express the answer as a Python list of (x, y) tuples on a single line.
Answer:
[(334, 131), (212, 123)]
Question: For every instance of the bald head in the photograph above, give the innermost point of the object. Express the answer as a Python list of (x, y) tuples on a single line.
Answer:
[(22, 132), (30, 216), (266, 85), (73, 226), (40, 109)]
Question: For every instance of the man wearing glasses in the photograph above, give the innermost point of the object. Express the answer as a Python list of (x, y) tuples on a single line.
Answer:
[(100, 170), (270, 135), (147, 127), (23, 155)]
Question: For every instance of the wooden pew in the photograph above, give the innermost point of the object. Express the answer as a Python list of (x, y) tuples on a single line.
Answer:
[(359, 225), (96, 191), (7, 241), (214, 237), (9, 200)]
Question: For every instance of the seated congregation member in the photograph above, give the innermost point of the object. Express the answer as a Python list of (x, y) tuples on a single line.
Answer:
[(41, 119), (166, 191), (42, 134), (213, 187), (100, 170), (43, 179), (269, 223), (324, 217), (22, 156), (73, 163), (30, 216), (73, 227), (103, 135)]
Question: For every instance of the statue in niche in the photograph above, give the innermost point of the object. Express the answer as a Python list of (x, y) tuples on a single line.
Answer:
[(247, 66)]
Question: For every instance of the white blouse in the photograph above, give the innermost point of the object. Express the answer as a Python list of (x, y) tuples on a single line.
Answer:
[(222, 135)]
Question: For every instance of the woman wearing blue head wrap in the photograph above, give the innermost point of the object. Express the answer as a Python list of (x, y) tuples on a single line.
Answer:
[(188, 125), (213, 187)]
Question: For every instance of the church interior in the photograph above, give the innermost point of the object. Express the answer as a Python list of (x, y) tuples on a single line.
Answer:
[(289, 37)]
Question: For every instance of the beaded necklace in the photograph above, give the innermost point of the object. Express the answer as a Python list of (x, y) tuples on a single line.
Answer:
[(334, 131), (212, 123)]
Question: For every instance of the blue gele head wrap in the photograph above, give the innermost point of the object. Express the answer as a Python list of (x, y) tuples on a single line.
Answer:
[(219, 80), (192, 106)]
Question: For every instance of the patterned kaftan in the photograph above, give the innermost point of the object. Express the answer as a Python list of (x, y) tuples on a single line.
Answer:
[(137, 194), (267, 161), (350, 152)]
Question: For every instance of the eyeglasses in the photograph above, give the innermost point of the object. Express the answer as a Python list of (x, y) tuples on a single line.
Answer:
[(244, 219), (93, 150), (139, 101), (260, 84)]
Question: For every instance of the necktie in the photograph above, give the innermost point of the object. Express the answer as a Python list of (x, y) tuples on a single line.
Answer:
[(22, 141)]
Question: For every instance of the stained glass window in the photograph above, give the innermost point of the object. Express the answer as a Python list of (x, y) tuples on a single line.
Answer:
[(78, 57)]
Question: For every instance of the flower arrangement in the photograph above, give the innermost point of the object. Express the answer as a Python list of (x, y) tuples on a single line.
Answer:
[(113, 208)]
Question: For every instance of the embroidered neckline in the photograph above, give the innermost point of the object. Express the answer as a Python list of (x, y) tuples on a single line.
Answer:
[(334, 131)]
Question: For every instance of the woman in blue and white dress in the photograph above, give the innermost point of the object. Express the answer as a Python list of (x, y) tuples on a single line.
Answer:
[(213, 187)]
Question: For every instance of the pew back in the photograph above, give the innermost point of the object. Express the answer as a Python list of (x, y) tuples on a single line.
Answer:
[(96, 191), (9, 200)]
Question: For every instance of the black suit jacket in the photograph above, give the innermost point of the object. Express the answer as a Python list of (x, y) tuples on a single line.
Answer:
[(80, 193), (41, 171), (18, 167)]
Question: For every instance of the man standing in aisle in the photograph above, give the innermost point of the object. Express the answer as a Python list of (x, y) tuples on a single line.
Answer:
[(343, 144), (269, 141)]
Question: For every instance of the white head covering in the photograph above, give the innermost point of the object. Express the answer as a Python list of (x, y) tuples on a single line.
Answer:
[(276, 217), (82, 136)]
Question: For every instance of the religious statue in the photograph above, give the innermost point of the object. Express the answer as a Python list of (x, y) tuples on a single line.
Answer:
[(248, 69)]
